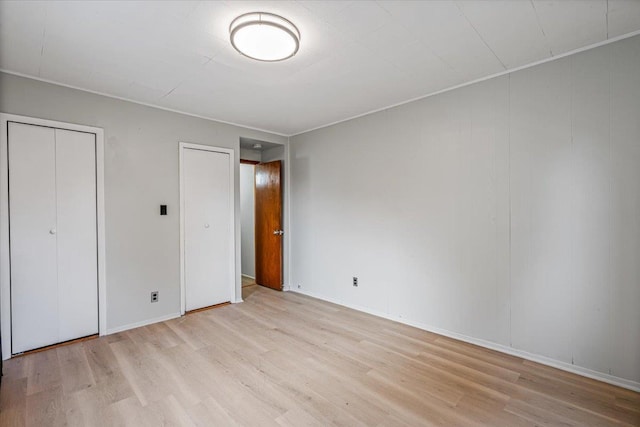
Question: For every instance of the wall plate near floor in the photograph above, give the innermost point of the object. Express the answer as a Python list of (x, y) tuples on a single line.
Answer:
[(154, 296)]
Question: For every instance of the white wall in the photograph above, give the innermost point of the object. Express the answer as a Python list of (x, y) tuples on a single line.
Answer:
[(254, 155), (247, 219), (506, 212), (141, 172)]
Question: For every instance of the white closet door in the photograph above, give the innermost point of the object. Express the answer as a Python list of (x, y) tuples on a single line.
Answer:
[(32, 217), (76, 234), (207, 225)]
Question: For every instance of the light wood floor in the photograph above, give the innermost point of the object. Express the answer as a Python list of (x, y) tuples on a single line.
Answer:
[(286, 359), (247, 281)]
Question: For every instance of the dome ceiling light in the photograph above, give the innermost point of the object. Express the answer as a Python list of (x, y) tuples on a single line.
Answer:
[(264, 36)]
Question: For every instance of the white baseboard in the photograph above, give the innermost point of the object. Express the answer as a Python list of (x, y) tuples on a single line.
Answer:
[(142, 323), (250, 277), (610, 379)]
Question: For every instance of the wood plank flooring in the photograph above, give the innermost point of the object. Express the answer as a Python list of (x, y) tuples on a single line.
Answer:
[(248, 281), (283, 359)]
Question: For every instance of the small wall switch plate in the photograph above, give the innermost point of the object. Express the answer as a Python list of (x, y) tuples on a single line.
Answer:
[(154, 296), (163, 209)]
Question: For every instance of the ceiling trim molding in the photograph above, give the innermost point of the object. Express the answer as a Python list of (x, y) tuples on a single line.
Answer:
[(146, 104), (481, 79)]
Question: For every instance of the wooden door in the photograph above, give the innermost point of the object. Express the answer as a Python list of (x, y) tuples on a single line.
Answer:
[(208, 205), (268, 199)]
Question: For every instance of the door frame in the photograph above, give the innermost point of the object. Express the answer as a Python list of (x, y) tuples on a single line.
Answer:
[(5, 261), (232, 214)]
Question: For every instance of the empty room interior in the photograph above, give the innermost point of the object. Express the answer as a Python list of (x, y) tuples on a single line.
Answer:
[(316, 213)]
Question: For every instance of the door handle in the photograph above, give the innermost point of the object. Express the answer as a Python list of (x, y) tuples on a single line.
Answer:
[(278, 232), (52, 231), (206, 226)]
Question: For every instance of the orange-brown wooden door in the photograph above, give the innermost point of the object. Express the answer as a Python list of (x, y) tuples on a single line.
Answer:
[(268, 202)]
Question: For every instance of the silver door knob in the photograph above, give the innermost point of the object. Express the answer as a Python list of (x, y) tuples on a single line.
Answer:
[(278, 232), (206, 226), (52, 231)]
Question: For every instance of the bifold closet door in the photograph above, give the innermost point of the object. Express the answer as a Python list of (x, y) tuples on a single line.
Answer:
[(76, 234), (207, 223), (32, 222), (53, 240)]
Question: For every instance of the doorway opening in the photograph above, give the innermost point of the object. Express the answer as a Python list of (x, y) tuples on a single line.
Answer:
[(261, 214)]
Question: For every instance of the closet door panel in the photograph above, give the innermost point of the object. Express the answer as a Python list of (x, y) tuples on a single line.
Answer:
[(207, 224), (32, 217), (77, 234)]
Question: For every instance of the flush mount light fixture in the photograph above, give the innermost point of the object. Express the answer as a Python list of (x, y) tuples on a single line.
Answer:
[(264, 36)]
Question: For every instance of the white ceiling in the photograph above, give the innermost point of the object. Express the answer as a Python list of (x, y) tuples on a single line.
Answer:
[(355, 56)]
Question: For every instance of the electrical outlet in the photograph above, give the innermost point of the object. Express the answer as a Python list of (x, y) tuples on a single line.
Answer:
[(355, 282), (299, 286), (154, 296)]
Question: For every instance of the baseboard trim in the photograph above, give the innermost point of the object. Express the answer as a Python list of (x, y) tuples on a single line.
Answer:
[(142, 323), (610, 379), (250, 277)]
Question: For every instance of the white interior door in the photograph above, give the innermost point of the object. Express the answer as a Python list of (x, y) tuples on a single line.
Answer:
[(207, 222), (76, 234), (32, 222), (53, 239)]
